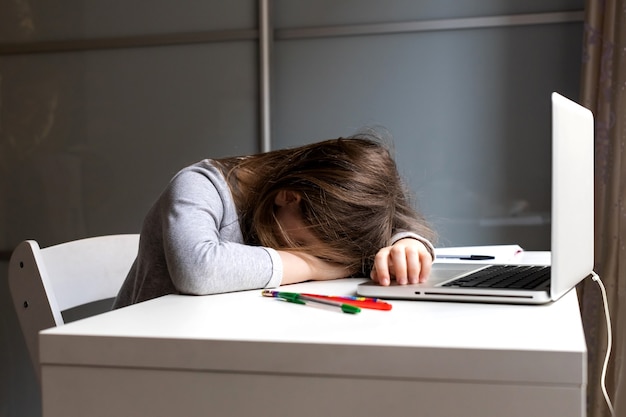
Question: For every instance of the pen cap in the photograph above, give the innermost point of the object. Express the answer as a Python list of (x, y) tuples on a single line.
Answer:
[(347, 308)]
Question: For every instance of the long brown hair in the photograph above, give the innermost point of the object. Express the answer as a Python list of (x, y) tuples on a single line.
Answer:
[(353, 199)]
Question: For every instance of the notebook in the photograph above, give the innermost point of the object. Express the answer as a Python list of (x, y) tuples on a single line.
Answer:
[(572, 229)]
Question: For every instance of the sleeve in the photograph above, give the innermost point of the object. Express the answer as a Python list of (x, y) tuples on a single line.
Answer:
[(202, 240), (402, 235)]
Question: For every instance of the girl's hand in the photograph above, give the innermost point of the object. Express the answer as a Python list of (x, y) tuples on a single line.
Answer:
[(408, 261)]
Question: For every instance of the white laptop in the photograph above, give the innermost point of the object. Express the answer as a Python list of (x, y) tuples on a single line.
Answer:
[(572, 230)]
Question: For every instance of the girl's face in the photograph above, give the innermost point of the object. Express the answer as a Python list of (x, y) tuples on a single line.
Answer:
[(289, 217)]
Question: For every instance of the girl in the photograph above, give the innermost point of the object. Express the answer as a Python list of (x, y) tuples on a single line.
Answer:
[(322, 211)]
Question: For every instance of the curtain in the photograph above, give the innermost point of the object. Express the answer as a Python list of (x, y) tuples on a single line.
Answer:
[(603, 91)]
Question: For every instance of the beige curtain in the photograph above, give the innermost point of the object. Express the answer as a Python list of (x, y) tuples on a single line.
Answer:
[(604, 92)]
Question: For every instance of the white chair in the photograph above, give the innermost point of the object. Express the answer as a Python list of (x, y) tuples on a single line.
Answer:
[(46, 282)]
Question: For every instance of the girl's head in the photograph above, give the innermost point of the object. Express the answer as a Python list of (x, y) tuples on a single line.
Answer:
[(346, 192)]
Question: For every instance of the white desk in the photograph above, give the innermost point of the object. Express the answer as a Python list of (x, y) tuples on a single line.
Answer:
[(242, 354)]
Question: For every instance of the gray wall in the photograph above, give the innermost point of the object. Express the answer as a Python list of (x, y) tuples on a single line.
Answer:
[(91, 132)]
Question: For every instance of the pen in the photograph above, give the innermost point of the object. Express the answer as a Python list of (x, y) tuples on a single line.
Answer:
[(296, 298), (467, 257), (346, 308), (363, 302)]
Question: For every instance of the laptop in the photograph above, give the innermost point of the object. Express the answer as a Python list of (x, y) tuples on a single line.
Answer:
[(572, 232)]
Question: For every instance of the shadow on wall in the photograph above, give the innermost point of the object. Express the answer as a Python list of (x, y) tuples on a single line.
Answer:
[(41, 171)]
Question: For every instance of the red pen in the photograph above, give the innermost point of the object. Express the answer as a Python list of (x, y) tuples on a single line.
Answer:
[(363, 302)]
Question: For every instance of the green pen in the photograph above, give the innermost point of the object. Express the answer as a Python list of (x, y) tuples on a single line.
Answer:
[(303, 299)]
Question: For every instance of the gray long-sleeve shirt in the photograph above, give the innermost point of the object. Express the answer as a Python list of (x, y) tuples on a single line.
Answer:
[(191, 243)]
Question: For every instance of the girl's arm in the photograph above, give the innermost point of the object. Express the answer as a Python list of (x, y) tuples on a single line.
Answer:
[(204, 247), (300, 267), (409, 257), (202, 240)]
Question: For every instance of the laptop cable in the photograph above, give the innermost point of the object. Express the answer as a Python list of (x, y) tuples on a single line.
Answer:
[(609, 341)]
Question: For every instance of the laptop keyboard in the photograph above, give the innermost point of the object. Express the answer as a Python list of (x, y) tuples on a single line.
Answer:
[(522, 277)]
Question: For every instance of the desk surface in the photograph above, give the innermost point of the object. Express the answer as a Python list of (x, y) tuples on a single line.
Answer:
[(431, 340), (243, 354)]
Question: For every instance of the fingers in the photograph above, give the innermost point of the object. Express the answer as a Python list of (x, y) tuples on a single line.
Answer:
[(380, 271), (426, 263), (407, 261)]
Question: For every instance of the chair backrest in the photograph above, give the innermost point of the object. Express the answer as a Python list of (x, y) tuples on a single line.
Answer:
[(45, 282)]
